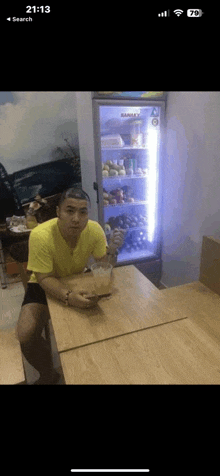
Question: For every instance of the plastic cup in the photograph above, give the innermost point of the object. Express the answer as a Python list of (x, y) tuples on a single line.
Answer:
[(102, 274)]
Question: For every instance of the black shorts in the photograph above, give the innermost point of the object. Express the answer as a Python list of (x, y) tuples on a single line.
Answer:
[(34, 293)]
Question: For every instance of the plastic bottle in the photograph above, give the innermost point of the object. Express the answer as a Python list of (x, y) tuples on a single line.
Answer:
[(31, 219)]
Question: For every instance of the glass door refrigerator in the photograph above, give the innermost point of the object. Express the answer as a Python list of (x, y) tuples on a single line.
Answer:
[(128, 137)]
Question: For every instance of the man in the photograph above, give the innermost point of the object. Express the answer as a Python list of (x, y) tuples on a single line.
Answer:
[(57, 248)]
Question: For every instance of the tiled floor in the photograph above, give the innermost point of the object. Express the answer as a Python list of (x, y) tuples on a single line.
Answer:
[(10, 304)]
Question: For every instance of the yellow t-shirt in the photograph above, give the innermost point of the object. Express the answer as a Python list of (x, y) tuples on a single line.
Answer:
[(48, 251)]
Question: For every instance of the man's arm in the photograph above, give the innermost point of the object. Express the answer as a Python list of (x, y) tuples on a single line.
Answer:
[(78, 298), (108, 258), (116, 241), (52, 286)]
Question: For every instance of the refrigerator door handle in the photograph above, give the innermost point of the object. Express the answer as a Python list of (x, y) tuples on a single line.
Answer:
[(95, 186)]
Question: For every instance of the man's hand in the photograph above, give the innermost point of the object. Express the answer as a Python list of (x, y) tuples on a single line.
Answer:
[(117, 239), (82, 299)]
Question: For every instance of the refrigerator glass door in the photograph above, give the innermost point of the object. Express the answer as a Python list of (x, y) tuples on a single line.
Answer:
[(130, 138)]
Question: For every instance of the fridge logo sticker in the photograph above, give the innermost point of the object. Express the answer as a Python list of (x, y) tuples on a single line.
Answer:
[(155, 112), (127, 114)]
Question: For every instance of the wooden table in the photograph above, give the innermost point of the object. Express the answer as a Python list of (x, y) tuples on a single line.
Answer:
[(180, 352), (11, 365), (135, 304), (142, 335)]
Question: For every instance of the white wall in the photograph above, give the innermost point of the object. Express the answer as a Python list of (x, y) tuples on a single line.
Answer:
[(31, 126), (191, 182)]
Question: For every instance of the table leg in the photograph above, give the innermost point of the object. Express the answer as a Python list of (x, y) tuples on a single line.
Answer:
[(48, 337), (2, 268), (23, 274)]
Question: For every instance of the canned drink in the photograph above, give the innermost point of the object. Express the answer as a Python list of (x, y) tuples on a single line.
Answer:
[(134, 165)]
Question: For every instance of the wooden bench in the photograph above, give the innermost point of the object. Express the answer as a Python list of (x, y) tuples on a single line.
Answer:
[(11, 364), (201, 299)]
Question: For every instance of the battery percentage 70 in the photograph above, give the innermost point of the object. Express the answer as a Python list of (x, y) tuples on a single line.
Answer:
[(194, 13)]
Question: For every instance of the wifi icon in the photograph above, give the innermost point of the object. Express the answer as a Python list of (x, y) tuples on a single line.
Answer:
[(178, 12)]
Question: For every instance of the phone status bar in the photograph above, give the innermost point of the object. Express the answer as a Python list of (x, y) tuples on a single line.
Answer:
[(191, 13)]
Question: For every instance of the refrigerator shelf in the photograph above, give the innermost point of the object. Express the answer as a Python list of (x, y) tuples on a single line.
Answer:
[(128, 147), (135, 228), (125, 177), (138, 202), (132, 228)]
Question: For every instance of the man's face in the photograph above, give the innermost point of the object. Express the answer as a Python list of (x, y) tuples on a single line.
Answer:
[(73, 216)]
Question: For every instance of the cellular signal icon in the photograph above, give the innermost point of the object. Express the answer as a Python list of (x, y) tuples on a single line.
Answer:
[(164, 14)]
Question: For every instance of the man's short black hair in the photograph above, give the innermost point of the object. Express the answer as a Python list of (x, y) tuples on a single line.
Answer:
[(74, 192)]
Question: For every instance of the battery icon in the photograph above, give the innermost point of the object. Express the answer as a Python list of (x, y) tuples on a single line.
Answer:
[(193, 13)]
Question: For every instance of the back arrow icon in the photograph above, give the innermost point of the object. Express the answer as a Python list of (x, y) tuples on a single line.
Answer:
[(9, 19)]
